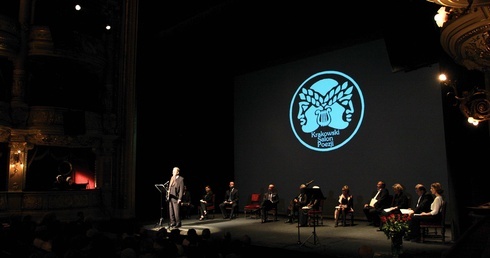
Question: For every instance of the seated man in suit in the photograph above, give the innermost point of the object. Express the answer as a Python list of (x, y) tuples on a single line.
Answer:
[(270, 201), (424, 199), (380, 200), (231, 200)]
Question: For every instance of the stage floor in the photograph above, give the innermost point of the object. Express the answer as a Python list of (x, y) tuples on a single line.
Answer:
[(330, 241)]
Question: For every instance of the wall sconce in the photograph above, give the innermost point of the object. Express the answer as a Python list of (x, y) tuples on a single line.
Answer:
[(475, 104), (16, 163)]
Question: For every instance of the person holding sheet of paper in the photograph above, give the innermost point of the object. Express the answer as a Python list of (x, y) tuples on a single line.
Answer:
[(379, 201), (400, 200), (399, 204)]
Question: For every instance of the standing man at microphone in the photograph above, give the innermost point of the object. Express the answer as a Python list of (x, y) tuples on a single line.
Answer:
[(175, 191)]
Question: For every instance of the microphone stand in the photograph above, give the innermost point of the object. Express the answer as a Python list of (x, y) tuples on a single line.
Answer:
[(161, 210), (313, 234)]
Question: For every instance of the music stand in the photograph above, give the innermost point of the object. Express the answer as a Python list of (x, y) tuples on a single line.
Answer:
[(313, 193), (161, 189)]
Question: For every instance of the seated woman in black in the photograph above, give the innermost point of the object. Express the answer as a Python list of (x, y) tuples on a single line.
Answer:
[(400, 201), (207, 200)]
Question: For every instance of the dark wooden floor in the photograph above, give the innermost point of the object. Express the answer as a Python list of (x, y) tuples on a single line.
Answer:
[(320, 241)]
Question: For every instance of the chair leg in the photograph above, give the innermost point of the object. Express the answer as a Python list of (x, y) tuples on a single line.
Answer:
[(343, 217)]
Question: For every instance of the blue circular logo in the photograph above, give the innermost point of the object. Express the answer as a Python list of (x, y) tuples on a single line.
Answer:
[(326, 111)]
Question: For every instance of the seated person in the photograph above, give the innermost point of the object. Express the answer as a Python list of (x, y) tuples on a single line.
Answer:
[(313, 204), (400, 201), (345, 204), (206, 201), (231, 200), (297, 203), (433, 215), (60, 183), (424, 199), (380, 200), (270, 201)]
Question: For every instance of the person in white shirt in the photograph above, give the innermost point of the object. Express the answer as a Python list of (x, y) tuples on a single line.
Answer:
[(433, 215)]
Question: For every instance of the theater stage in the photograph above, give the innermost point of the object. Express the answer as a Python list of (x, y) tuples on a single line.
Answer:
[(330, 241)]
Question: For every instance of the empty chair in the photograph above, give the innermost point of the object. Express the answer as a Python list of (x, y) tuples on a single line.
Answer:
[(253, 207)]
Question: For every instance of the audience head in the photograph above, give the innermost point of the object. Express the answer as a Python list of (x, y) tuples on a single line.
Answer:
[(206, 233), (191, 232), (246, 240)]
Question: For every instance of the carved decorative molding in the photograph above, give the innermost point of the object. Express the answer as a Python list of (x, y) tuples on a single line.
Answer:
[(9, 36), (466, 39)]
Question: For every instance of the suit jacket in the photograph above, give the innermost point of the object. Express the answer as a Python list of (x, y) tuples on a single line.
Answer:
[(275, 197), (301, 200), (424, 203), (176, 191), (233, 194), (208, 198), (383, 198)]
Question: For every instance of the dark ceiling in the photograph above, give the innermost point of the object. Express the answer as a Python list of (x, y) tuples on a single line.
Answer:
[(239, 36), (194, 50)]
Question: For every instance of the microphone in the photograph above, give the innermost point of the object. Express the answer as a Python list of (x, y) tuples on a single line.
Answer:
[(167, 183)]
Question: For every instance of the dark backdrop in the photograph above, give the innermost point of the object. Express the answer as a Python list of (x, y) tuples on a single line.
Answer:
[(401, 139)]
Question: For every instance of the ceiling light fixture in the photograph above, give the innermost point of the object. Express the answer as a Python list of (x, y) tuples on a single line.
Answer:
[(475, 104)]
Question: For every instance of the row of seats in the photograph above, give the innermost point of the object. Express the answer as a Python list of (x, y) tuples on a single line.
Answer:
[(315, 217)]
